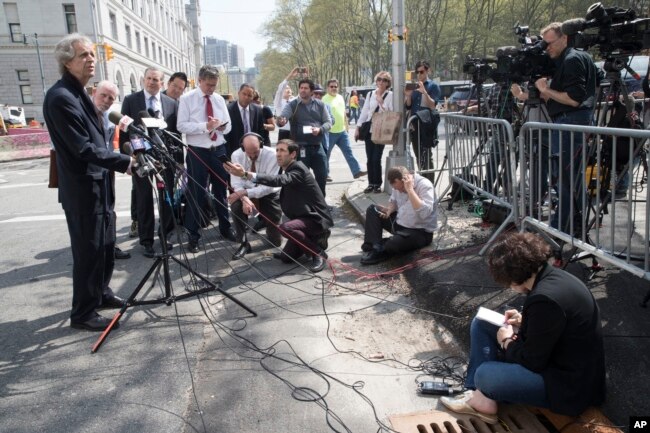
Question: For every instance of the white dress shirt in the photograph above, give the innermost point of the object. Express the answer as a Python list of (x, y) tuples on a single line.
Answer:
[(266, 163), (192, 118), (279, 102), (426, 217), (157, 105), (371, 105)]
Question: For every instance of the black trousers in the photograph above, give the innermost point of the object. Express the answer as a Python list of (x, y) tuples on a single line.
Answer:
[(403, 240), (269, 206), (145, 206), (92, 240)]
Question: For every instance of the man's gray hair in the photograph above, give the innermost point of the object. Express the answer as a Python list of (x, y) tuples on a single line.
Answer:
[(64, 50), (154, 69), (208, 72), (108, 85)]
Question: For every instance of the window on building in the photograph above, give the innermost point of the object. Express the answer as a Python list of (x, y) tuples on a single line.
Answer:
[(26, 93), (127, 31), (138, 46), (160, 57), (70, 18), (23, 74), (153, 49), (113, 20), (146, 46), (11, 14)]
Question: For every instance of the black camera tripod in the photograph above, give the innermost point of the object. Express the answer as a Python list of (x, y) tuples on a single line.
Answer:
[(162, 263)]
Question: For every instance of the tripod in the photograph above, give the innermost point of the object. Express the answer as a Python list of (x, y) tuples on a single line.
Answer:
[(162, 263)]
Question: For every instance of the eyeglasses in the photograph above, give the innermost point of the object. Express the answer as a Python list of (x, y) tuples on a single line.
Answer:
[(385, 80), (421, 71), (334, 87)]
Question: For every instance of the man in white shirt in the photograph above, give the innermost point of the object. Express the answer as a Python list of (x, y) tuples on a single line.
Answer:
[(203, 118), (410, 216), (249, 197)]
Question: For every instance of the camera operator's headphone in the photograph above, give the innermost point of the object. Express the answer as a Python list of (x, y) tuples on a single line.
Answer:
[(254, 134)]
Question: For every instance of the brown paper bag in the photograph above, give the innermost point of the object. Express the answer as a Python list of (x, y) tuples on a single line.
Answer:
[(386, 126)]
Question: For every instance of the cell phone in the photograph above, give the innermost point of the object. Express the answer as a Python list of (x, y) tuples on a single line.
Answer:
[(303, 70), (411, 86), (223, 158)]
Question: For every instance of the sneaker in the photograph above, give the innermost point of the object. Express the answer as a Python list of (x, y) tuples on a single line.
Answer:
[(369, 188), (329, 179), (133, 232)]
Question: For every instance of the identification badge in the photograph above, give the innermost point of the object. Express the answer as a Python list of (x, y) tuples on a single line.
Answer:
[(303, 154)]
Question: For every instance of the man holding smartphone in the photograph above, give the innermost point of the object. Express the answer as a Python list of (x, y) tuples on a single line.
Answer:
[(203, 117)]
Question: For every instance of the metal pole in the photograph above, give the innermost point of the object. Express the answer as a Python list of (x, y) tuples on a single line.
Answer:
[(398, 155), (38, 54)]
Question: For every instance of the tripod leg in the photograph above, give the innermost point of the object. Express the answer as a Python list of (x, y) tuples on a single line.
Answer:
[(154, 267)]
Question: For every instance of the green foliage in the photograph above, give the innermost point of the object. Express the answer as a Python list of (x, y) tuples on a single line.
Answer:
[(347, 39)]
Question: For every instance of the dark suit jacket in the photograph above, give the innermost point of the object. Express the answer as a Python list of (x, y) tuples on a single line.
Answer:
[(135, 103), (300, 196), (83, 161), (237, 130)]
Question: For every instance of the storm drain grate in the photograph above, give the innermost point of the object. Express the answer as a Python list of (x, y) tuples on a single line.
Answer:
[(514, 419)]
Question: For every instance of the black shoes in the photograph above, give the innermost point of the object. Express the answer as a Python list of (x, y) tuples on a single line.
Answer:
[(374, 256), (229, 235), (96, 323), (366, 247), (376, 189), (283, 257), (259, 225), (360, 174), (193, 247), (120, 255), (244, 249), (369, 188), (112, 302), (149, 251), (318, 263)]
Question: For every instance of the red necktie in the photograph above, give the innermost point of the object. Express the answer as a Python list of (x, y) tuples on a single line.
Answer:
[(210, 113)]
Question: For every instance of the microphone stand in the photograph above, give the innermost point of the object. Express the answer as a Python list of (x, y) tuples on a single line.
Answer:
[(162, 261)]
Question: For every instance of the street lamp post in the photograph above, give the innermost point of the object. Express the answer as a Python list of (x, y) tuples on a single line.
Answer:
[(38, 53)]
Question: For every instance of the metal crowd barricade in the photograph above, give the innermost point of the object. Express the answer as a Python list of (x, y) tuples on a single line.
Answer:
[(587, 186), (479, 158)]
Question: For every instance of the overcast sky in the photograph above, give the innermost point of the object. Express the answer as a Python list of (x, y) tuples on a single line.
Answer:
[(237, 21)]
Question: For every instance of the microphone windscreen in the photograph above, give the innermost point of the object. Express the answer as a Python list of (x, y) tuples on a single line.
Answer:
[(573, 26), (114, 117)]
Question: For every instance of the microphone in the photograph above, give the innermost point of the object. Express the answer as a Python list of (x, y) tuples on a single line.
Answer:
[(155, 138), (573, 26), (125, 124)]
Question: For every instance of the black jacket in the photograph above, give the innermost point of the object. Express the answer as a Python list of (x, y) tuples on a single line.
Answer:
[(83, 160), (237, 130), (300, 196), (561, 339)]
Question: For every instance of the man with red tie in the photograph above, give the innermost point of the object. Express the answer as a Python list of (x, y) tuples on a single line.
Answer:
[(203, 118)]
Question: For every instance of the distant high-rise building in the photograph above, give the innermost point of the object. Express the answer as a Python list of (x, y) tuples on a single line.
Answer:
[(237, 56)]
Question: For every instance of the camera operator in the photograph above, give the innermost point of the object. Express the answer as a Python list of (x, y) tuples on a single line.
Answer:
[(570, 99)]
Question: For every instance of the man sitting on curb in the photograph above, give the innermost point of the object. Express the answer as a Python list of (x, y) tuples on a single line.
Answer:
[(410, 216)]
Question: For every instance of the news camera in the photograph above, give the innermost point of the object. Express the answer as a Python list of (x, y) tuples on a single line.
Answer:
[(526, 63), (614, 30), (479, 69)]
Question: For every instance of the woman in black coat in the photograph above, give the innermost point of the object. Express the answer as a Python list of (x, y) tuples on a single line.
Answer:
[(549, 355)]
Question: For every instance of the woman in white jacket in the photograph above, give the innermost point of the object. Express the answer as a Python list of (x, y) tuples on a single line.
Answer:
[(380, 99)]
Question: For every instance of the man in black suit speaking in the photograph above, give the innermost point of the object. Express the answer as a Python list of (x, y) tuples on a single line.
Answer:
[(153, 101), (245, 117), (84, 166), (301, 201)]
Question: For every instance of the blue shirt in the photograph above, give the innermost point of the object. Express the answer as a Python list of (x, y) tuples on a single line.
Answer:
[(433, 89)]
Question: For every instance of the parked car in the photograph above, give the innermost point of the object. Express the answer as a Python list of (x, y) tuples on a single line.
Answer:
[(465, 96)]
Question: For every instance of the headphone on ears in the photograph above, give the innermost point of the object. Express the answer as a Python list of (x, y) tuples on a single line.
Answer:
[(254, 134)]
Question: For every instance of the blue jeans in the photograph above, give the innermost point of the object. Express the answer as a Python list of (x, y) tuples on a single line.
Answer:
[(566, 161), (198, 181), (316, 159), (500, 381), (342, 140), (373, 155)]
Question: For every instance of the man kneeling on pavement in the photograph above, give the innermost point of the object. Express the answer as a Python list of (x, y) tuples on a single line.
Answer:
[(410, 216)]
